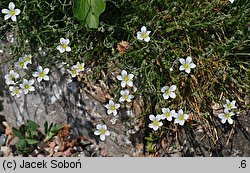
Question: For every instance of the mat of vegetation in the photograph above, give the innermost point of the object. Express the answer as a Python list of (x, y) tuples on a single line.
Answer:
[(186, 61)]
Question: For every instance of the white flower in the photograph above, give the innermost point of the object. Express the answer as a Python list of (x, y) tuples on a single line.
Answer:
[(230, 105), (27, 59), (79, 67), (168, 91), (113, 120), (232, 1), (10, 77), (74, 72), (112, 107), (41, 74), (125, 96), (125, 78), (143, 34), (180, 117), (11, 13), (186, 64), (226, 116), (21, 64), (102, 131), (167, 113), (27, 86), (155, 122), (64, 45), (15, 91)]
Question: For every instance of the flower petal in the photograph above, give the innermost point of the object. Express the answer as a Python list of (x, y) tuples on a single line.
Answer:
[(172, 88), (143, 29), (102, 137), (5, 11), (7, 16), (11, 6), (192, 65), (152, 117), (130, 83), (97, 132), (188, 70), (123, 84), (17, 11), (188, 60), (124, 73), (230, 121), (172, 95), (182, 61), (181, 68), (147, 39), (68, 49)]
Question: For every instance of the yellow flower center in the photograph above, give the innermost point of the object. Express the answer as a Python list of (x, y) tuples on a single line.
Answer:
[(102, 131), (112, 107), (41, 74), (12, 77), (229, 106), (167, 114), (167, 92), (126, 79), (181, 117), (144, 35), (21, 64), (64, 46), (155, 123), (12, 12), (26, 86), (227, 115), (74, 72), (185, 65), (16, 91), (27, 58), (126, 97)]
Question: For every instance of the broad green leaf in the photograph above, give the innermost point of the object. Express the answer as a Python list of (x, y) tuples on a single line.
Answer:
[(31, 141), (46, 127), (88, 11), (17, 133), (31, 125), (56, 128)]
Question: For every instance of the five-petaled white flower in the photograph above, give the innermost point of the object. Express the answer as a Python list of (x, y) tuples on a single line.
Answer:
[(27, 59), (41, 74), (112, 107), (79, 67), (226, 116), (168, 91), (181, 117), (21, 64), (232, 1), (230, 105), (102, 131), (143, 34), (74, 72), (125, 96), (155, 122), (64, 45), (11, 77), (27, 86), (186, 64), (15, 91), (168, 114), (125, 78), (11, 13)]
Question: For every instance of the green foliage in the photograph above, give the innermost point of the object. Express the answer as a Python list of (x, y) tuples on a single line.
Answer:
[(51, 130), (215, 33), (28, 135), (88, 11)]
